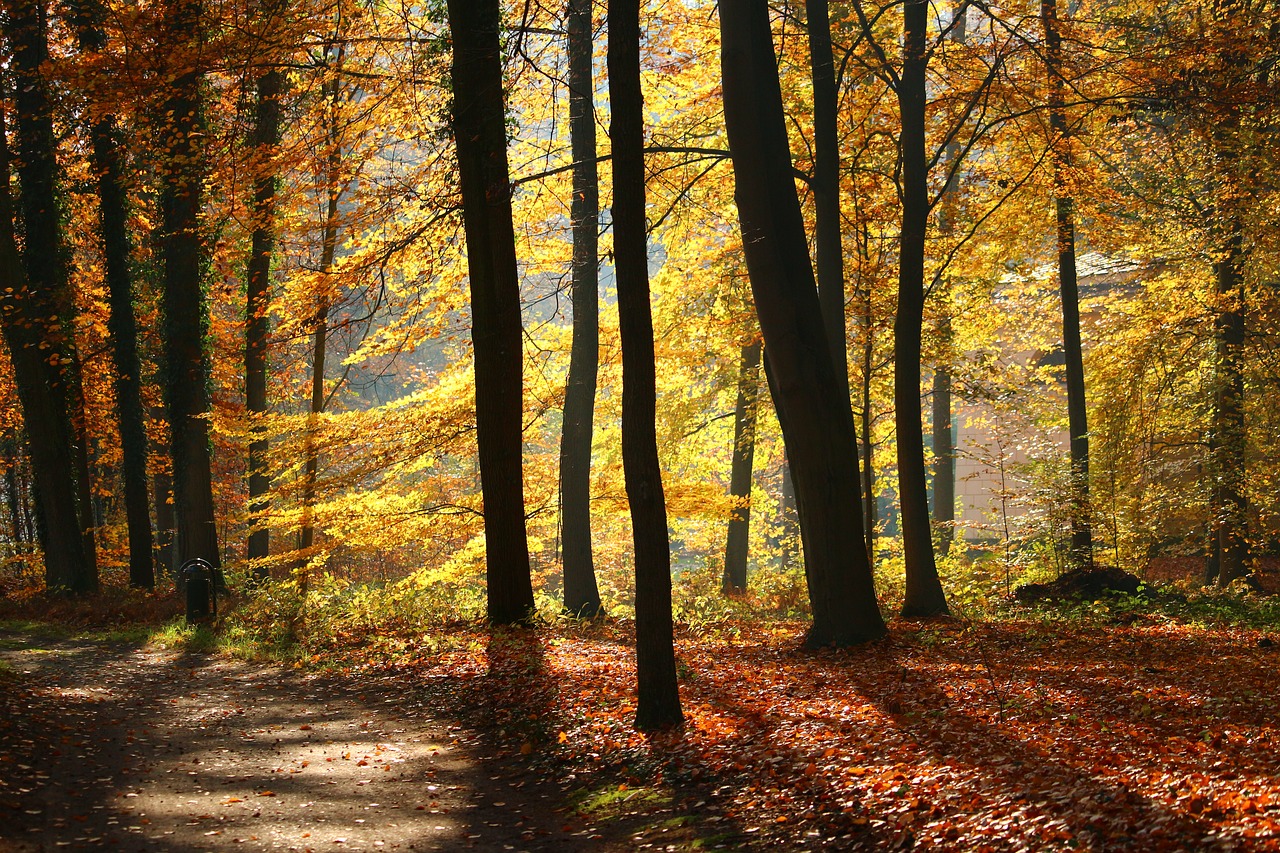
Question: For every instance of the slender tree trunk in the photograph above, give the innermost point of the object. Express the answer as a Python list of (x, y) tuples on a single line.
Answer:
[(814, 411), (1228, 424), (117, 250), (42, 309), (1064, 209), (320, 334), (829, 251), (479, 119), (868, 416), (744, 446), (13, 499), (944, 451), (266, 138), (658, 704), (84, 474), (581, 595), (162, 489), (186, 313), (924, 595), (26, 497)]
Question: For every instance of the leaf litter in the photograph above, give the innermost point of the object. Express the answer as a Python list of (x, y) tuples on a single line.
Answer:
[(944, 736)]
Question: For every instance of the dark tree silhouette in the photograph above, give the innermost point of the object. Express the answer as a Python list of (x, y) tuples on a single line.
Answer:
[(479, 129), (817, 422)]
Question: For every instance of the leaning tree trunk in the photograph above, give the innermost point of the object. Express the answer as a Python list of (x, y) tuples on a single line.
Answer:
[(744, 446), (266, 138), (117, 251), (1081, 554), (658, 702), (817, 422), (581, 594), (924, 596), (182, 254), (479, 126), (46, 308)]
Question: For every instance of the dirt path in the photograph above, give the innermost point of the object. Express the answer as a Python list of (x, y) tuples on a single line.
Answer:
[(109, 746)]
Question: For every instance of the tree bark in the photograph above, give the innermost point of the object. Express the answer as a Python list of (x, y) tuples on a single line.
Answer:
[(40, 312), (479, 125), (13, 498), (744, 446), (816, 419), (1081, 554), (162, 490), (117, 251), (924, 595), (186, 313), (581, 594), (320, 334), (658, 704), (829, 251), (944, 451), (266, 139), (1228, 424)]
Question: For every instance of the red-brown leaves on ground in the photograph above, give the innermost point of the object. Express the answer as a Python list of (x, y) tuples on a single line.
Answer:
[(946, 735)]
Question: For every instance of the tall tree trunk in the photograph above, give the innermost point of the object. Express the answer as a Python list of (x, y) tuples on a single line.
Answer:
[(43, 348), (581, 594), (944, 451), (84, 473), (266, 138), (814, 411), (186, 313), (162, 490), (13, 499), (658, 703), (924, 596), (1228, 424), (117, 250), (320, 334), (479, 126), (744, 446), (867, 438), (829, 252), (1064, 209)]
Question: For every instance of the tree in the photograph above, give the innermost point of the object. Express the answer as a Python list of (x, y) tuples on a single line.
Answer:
[(117, 250), (944, 462), (581, 595), (43, 410), (479, 131), (744, 443), (825, 185), (658, 704), (816, 419), (1064, 211), (266, 138), (924, 595), (186, 312), (332, 94), (49, 308)]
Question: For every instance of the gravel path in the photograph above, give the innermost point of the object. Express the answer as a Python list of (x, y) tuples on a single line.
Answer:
[(111, 746)]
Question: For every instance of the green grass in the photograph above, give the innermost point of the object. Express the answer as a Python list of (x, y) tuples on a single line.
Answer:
[(613, 800)]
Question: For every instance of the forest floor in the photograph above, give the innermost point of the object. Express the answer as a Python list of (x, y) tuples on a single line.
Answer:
[(1020, 735), (110, 745)]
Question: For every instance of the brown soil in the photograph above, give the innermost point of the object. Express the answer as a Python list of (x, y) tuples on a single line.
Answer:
[(112, 746)]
